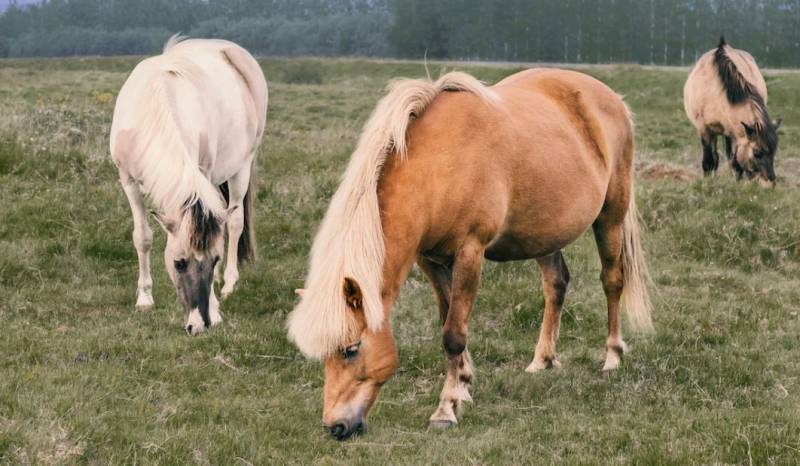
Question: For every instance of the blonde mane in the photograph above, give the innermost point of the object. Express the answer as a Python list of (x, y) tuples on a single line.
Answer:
[(168, 148), (350, 240)]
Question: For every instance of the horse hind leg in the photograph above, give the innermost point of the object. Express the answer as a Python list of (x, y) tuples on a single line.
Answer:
[(456, 286), (710, 154), (142, 240), (238, 187), (608, 233), (555, 278)]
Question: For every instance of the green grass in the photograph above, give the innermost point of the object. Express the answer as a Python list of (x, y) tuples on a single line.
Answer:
[(85, 378)]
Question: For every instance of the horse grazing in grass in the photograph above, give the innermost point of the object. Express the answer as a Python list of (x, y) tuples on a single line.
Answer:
[(726, 95), (448, 173), (186, 128)]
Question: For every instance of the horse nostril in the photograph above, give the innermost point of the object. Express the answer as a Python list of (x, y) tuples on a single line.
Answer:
[(360, 428), (189, 329), (339, 431)]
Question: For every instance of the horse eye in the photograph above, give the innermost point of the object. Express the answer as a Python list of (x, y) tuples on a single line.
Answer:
[(180, 265), (351, 351)]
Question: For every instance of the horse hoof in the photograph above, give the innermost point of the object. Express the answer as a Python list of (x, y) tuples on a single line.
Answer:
[(537, 366), (144, 302), (611, 365), (442, 424)]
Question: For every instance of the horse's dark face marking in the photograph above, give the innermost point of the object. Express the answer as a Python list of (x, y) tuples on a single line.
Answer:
[(755, 154), (194, 278), (193, 251)]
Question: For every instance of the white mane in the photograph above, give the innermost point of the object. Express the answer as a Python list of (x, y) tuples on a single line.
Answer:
[(167, 143), (350, 240)]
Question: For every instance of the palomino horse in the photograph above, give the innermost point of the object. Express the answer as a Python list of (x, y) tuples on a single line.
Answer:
[(445, 179), (186, 127), (726, 95)]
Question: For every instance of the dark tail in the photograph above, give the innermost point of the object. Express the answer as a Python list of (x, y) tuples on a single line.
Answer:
[(722, 42), (246, 249)]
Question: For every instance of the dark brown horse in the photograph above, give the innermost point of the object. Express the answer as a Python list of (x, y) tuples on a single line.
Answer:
[(448, 179)]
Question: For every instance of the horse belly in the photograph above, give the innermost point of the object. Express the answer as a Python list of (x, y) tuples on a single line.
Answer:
[(539, 240), (548, 216)]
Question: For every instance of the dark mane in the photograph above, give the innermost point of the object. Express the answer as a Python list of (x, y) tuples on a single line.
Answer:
[(765, 130), (737, 88), (768, 133), (205, 226)]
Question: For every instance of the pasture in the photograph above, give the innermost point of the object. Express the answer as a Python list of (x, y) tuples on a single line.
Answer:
[(87, 379)]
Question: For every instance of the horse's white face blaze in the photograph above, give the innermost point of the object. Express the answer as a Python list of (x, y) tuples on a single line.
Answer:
[(355, 374), (192, 273)]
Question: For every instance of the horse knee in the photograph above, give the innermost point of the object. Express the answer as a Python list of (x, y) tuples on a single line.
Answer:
[(236, 220), (612, 280), (143, 238)]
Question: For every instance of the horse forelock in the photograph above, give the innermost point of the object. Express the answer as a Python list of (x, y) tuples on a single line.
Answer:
[(205, 226), (737, 88)]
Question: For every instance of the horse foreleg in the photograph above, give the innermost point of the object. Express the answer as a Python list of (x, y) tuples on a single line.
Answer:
[(608, 236), (213, 309), (710, 154), (142, 240), (555, 278), (459, 373), (729, 148), (454, 310), (238, 186)]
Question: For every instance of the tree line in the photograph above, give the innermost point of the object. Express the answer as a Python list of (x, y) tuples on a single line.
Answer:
[(666, 32)]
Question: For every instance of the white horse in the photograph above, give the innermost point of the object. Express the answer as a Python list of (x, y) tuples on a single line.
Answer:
[(187, 124)]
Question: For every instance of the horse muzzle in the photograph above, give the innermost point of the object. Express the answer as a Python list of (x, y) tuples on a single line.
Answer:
[(343, 430)]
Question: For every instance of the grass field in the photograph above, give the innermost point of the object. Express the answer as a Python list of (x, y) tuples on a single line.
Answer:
[(85, 378)]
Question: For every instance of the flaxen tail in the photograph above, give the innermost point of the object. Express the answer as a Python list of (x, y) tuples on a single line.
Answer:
[(635, 297)]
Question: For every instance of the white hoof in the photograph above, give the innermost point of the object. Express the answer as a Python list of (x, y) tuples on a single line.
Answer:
[(226, 290), (216, 317), (144, 301), (614, 352), (540, 364), (445, 415), (443, 424)]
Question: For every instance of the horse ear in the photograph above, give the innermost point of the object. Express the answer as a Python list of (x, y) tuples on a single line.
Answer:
[(352, 294), (777, 122), (748, 129), (167, 225)]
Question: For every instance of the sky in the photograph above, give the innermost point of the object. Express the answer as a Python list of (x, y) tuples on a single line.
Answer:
[(4, 3)]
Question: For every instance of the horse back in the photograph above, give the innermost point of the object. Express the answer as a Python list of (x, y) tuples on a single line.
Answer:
[(507, 173), (704, 94), (211, 91)]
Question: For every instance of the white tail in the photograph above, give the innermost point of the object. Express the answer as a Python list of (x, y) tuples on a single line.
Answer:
[(350, 240), (635, 297)]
